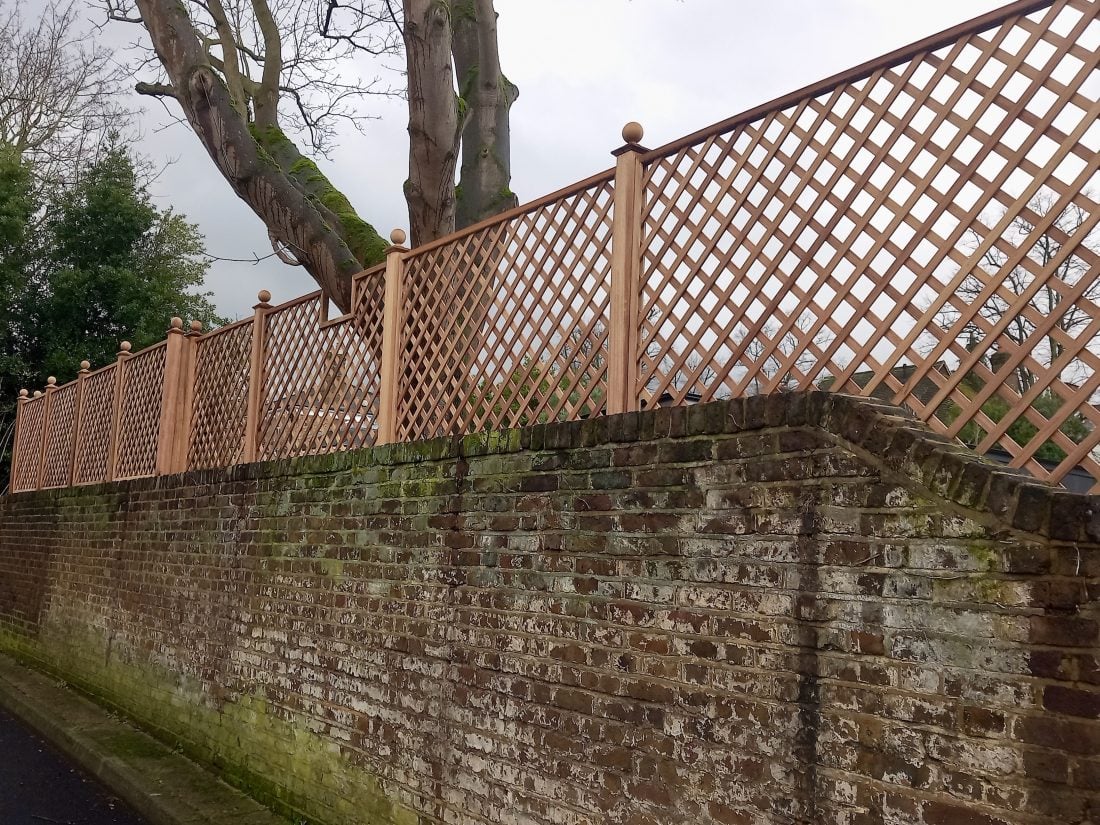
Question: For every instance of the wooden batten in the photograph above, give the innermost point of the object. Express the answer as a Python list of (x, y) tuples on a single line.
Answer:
[(47, 415), (175, 413), (251, 449), (625, 288), (78, 416), (391, 340), (15, 451), (116, 413)]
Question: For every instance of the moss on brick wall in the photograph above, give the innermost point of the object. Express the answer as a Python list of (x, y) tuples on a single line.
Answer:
[(798, 609)]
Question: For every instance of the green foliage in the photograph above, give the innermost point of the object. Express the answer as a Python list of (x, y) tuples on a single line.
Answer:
[(116, 268), (520, 394), (1021, 431), (17, 206), (89, 266)]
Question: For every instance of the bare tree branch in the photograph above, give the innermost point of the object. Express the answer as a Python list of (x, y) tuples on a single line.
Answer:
[(155, 89), (58, 89)]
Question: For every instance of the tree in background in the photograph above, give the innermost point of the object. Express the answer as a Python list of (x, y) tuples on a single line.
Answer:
[(105, 264), (536, 385), (1044, 251), (1019, 303), (117, 267), (251, 76), (59, 90), (17, 206)]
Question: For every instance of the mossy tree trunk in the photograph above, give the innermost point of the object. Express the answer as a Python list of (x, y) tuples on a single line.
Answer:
[(434, 128), (486, 174), (229, 75), (301, 209)]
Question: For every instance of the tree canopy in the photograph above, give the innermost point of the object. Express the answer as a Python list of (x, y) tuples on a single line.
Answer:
[(59, 89), (103, 264)]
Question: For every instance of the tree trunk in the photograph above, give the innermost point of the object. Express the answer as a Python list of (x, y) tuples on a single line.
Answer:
[(487, 95), (315, 227), (433, 120)]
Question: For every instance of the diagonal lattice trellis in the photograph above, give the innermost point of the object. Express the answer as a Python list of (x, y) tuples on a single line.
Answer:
[(923, 232), (58, 453), (27, 451), (220, 411), (93, 439), (139, 413), (507, 325), (920, 229), (321, 379)]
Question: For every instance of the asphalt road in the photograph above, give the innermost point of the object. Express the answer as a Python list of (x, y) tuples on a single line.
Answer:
[(39, 786)]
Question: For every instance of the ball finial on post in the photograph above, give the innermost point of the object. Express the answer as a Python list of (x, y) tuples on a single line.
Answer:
[(124, 346), (23, 394), (263, 296), (397, 237), (38, 393), (196, 326), (175, 323), (85, 366), (633, 132), (51, 381)]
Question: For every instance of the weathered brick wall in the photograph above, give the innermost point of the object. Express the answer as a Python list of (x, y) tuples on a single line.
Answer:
[(799, 609)]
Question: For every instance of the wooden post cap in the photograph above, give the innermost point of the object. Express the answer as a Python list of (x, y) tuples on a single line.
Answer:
[(38, 393), (23, 393), (196, 326), (397, 237), (51, 381), (633, 132), (175, 323), (124, 347), (85, 366), (263, 296)]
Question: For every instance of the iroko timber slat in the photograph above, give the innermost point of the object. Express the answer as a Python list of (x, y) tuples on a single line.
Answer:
[(921, 228), (922, 231)]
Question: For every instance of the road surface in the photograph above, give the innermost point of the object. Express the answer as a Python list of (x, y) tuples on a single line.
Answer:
[(39, 786)]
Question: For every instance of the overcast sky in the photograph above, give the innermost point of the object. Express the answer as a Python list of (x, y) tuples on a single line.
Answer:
[(584, 67)]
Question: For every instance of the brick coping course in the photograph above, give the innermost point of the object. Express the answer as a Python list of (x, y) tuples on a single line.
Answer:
[(887, 435)]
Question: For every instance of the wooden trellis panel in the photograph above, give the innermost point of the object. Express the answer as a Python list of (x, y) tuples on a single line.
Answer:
[(220, 406), (321, 379), (922, 230), (93, 441), (506, 325), (139, 413), (28, 445), (59, 437)]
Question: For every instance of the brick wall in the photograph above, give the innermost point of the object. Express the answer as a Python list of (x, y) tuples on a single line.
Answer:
[(797, 609)]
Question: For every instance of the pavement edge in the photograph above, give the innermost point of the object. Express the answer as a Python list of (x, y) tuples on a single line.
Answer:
[(65, 719)]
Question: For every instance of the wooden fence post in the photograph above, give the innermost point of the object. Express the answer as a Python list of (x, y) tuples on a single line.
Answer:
[(626, 265), (175, 409), (256, 378), (392, 320), (116, 409), (47, 414), (23, 399), (78, 419), (188, 402), (41, 440)]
